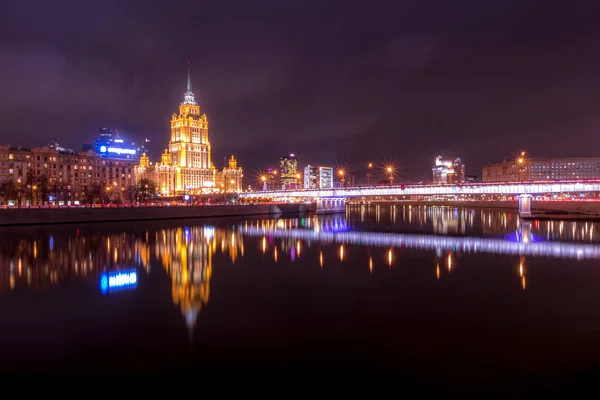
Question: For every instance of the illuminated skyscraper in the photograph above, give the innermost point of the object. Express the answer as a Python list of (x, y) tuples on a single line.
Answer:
[(189, 147), (288, 169), (447, 171)]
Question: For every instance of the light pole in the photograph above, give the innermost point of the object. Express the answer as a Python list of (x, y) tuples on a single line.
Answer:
[(264, 180), (369, 174), (521, 165), (342, 175), (390, 172)]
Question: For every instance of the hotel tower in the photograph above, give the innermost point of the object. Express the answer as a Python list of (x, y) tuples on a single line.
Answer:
[(187, 165)]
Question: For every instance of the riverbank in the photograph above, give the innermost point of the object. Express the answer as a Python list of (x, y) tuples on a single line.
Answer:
[(49, 216)]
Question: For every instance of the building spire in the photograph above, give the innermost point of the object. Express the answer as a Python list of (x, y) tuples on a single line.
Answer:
[(188, 97), (189, 81)]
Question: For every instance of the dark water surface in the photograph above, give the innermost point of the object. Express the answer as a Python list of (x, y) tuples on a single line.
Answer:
[(460, 298)]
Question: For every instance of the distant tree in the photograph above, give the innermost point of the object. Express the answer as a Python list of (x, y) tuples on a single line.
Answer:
[(146, 189), (44, 189), (96, 193), (8, 191), (131, 194)]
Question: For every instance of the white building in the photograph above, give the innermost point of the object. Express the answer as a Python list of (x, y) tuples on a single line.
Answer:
[(325, 178), (311, 177)]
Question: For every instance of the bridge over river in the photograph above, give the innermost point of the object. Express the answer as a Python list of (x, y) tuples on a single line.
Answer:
[(331, 200)]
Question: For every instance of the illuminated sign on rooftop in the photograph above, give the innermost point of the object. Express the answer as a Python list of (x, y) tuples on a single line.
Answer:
[(117, 281), (118, 150)]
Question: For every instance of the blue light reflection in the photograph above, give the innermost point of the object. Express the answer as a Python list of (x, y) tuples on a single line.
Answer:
[(117, 281)]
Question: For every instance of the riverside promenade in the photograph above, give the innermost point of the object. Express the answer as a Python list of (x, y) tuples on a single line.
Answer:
[(66, 215)]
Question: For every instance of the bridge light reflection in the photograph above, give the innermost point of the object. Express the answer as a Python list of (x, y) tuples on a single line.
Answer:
[(464, 244)]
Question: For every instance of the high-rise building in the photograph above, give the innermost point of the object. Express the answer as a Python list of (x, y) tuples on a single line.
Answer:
[(325, 178), (288, 170), (189, 167), (110, 144), (448, 171), (311, 177)]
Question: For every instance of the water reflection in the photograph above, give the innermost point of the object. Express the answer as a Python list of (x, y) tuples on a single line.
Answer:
[(187, 254), (463, 221)]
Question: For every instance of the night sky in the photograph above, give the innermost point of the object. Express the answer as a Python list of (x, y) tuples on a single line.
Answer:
[(336, 82)]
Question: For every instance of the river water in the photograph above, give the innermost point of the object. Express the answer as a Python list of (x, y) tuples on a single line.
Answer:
[(457, 298)]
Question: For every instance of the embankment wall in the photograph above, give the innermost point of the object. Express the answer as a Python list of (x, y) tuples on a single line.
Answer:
[(45, 216)]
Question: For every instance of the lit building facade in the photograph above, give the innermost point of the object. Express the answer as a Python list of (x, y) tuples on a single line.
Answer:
[(145, 169), (188, 166), (288, 172), (543, 169), (230, 178), (325, 178), (448, 171), (110, 144), (47, 175), (311, 177)]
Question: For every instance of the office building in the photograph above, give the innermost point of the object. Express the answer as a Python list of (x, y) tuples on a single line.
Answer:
[(543, 169), (110, 144), (288, 172), (311, 177), (448, 171), (325, 178)]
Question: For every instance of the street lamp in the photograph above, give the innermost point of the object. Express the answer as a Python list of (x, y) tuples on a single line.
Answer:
[(390, 172), (521, 165), (264, 180), (369, 174), (342, 177)]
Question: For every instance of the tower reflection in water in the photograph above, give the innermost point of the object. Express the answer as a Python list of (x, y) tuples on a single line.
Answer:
[(184, 253)]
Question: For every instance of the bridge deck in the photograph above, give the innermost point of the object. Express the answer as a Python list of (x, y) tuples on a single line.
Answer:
[(463, 189)]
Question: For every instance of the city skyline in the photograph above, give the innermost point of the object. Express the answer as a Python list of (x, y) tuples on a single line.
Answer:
[(302, 79)]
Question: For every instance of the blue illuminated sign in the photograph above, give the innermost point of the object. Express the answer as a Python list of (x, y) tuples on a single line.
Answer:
[(116, 281)]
